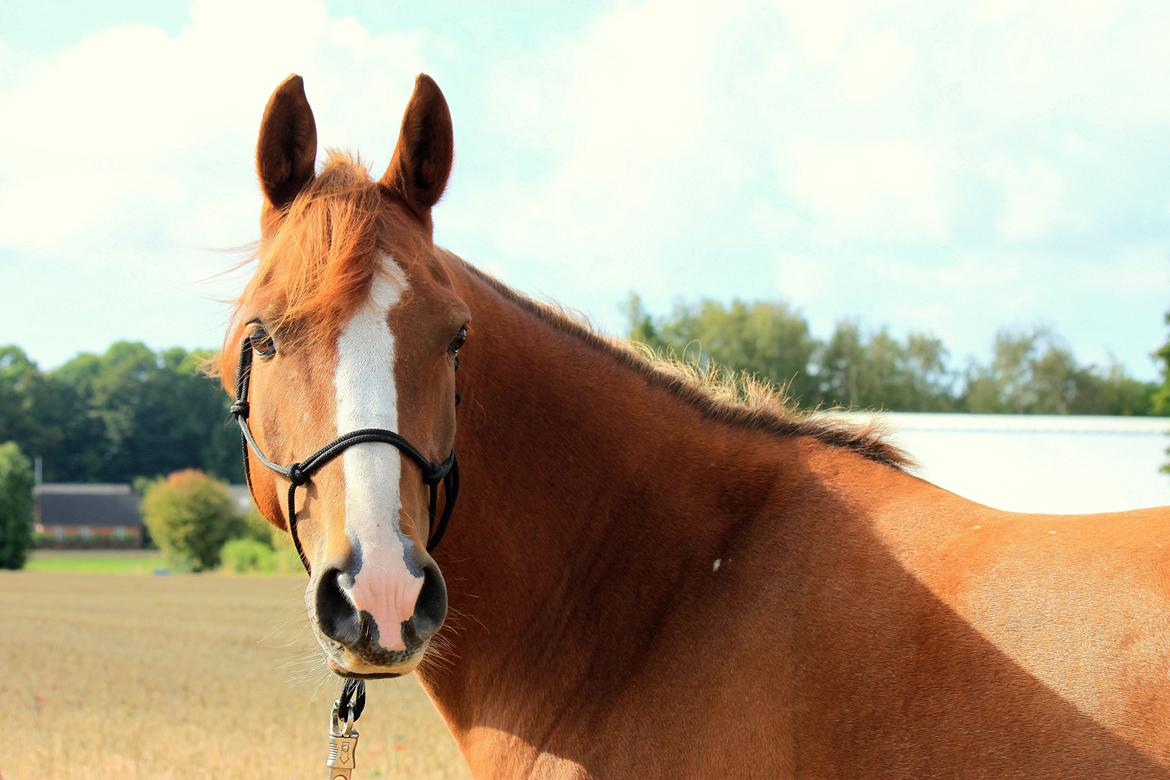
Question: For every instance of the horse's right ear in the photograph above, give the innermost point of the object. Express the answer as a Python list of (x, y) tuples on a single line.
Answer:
[(286, 153)]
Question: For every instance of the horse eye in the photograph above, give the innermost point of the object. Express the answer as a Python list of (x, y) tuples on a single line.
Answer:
[(457, 344), (262, 343)]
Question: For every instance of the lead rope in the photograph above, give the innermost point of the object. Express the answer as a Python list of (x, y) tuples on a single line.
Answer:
[(348, 706)]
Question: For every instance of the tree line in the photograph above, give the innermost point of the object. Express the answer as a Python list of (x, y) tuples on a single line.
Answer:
[(1029, 371), (132, 411), (126, 413)]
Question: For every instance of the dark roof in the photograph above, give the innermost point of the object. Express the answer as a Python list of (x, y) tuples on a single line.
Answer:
[(80, 504)]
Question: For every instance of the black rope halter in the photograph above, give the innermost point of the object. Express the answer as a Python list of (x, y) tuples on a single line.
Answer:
[(297, 474), (352, 700)]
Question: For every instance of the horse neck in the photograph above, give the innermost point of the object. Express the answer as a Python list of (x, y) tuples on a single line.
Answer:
[(589, 493)]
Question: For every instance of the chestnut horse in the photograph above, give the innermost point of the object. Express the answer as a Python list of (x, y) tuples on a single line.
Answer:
[(656, 580)]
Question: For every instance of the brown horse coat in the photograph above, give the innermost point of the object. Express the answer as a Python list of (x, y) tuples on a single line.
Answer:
[(654, 591)]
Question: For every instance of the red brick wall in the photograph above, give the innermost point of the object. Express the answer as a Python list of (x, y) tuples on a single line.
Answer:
[(70, 536)]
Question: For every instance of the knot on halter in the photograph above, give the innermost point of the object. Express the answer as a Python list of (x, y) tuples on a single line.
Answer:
[(434, 473), (297, 475), (239, 408)]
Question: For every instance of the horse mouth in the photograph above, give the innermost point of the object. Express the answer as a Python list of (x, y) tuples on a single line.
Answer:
[(341, 671)]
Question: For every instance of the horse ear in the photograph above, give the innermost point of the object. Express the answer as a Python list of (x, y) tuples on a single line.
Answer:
[(286, 153), (426, 148)]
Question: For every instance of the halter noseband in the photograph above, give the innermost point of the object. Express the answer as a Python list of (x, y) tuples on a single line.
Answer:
[(297, 474)]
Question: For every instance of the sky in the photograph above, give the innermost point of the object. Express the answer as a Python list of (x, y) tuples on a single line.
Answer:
[(954, 168)]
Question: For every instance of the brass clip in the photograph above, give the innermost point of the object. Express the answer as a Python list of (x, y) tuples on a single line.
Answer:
[(343, 739)]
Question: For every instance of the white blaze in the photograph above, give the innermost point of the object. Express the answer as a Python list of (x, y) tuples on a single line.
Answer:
[(367, 397)]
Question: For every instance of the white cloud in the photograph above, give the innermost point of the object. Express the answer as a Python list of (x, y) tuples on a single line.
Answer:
[(132, 129), (881, 190), (129, 166), (875, 69), (669, 137), (1034, 197), (858, 158)]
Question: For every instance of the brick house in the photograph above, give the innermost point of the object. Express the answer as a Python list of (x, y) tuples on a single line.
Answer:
[(87, 515)]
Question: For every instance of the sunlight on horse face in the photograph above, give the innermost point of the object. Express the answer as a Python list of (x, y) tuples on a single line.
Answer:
[(365, 329)]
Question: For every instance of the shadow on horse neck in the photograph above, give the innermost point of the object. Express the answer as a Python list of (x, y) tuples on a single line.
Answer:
[(642, 588)]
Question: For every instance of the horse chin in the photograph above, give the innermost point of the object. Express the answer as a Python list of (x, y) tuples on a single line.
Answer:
[(362, 671)]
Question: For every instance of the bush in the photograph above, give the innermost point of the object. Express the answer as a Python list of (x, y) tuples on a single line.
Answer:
[(256, 546), (190, 516), (248, 555), (252, 525), (287, 560), (251, 556), (16, 517)]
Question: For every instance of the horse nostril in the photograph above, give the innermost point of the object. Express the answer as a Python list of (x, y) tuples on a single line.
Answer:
[(430, 610), (335, 613)]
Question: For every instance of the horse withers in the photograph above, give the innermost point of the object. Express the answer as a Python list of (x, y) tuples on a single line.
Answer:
[(649, 575)]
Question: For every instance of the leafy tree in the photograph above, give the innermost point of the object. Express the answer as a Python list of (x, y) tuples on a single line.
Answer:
[(640, 325), (878, 371), (1030, 372), (767, 338), (20, 389), (112, 417), (843, 367), (190, 516), (931, 382), (1113, 391), (1160, 403), (253, 526), (1033, 372), (16, 520)]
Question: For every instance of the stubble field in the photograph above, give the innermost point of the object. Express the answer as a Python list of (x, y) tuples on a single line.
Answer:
[(134, 676)]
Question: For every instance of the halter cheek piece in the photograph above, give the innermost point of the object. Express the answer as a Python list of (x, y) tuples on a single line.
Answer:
[(297, 474)]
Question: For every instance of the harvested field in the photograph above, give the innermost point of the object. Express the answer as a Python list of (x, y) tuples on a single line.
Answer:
[(185, 677)]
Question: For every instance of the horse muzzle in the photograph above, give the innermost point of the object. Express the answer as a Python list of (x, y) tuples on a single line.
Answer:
[(378, 622)]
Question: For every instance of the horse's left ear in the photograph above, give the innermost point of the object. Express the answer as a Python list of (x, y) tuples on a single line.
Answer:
[(426, 148)]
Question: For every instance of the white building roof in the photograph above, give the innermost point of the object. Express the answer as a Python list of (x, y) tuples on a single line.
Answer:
[(1039, 463)]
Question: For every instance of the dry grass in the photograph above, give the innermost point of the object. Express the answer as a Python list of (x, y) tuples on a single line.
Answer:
[(185, 677)]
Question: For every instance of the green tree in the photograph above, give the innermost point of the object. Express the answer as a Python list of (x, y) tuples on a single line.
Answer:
[(1112, 391), (1033, 372), (879, 372), (190, 515), (1030, 372), (254, 527), (639, 324), (842, 372), (76, 451), (863, 372), (1160, 402), (21, 386), (766, 338), (125, 413), (931, 382), (16, 520)]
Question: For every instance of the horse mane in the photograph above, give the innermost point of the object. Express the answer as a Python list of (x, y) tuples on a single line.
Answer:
[(315, 269), (736, 398), (327, 243)]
